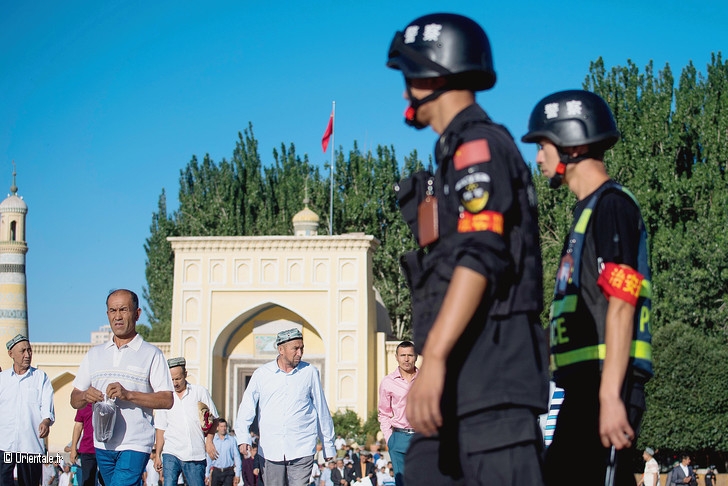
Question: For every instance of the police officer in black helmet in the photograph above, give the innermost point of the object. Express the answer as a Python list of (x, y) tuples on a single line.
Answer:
[(600, 318), (476, 281)]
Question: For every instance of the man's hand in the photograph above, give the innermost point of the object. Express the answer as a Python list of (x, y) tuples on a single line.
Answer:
[(92, 395), (244, 449), (614, 428), (423, 400), (158, 462), (210, 449), (44, 427), (236, 481), (116, 390), (74, 454)]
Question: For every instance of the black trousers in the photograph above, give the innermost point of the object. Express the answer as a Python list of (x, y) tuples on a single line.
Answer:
[(89, 469), (222, 477), (28, 474), (576, 456), (492, 447)]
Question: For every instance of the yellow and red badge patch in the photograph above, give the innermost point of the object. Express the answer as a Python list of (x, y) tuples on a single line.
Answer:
[(483, 221), (620, 281), (471, 153)]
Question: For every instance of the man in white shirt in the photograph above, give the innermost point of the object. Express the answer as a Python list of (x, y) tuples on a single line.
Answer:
[(26, 414), (134, 375), (293, 410), (185, 431), (651, 475)]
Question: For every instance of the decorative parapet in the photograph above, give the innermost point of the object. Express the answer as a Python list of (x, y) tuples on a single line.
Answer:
[(348, 242), (47, 349)]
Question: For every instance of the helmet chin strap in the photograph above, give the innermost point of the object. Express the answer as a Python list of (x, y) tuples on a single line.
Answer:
[(564, 159), (410, 114)]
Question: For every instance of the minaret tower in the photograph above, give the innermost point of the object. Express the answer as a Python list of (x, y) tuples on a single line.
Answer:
[(13, 293)]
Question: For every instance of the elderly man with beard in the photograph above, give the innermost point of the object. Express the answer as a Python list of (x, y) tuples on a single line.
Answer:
[(26, 414), (293, 414)]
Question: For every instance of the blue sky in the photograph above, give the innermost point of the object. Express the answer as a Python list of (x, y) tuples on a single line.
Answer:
[(103, 102)]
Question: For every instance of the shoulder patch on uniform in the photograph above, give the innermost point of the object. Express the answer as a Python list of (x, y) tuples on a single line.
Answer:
[(471, 153)]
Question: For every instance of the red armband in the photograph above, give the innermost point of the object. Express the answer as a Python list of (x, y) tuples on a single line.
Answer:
[(620, 281)]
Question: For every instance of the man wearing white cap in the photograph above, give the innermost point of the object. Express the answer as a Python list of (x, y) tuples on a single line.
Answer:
[(293, 414), (184, 432), (26, 415), (651, 475)]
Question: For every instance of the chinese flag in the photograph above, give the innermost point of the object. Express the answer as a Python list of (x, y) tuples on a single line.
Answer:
[(327, 133)]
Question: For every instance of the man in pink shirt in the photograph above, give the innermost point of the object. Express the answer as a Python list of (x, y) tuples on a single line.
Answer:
[(392, 404)]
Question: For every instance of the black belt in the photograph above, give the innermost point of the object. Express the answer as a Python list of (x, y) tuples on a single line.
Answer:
[(404, 431), (222, 469)]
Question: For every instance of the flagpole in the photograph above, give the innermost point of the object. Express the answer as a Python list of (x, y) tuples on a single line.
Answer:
[(333, 151)]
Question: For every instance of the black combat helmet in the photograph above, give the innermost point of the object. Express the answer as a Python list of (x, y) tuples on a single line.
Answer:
[(444, 44), (572, 118)]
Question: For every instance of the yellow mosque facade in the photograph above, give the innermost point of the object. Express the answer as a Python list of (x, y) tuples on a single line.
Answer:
[(231, 297)]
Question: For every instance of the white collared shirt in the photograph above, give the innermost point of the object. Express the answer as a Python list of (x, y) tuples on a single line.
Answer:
[(138, 366), (183, 436), (25, 401), (293, 410)]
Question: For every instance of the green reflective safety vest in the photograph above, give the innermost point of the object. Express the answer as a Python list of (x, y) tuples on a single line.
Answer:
[(577, 336)]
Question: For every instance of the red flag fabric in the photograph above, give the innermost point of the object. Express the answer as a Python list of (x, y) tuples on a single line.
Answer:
[(327, 133)]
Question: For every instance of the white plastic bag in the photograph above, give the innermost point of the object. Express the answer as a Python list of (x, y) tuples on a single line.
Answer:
[(104, 418)]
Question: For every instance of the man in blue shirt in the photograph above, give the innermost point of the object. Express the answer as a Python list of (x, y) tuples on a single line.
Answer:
[(226, 470), (293, 410)]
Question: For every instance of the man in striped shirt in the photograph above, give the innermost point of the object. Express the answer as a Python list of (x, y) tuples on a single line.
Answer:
[(392, 404)]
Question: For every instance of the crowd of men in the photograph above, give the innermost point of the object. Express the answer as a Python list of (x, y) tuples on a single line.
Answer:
[(467, 414)]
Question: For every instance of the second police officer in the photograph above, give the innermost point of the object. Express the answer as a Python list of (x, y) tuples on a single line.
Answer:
[(600, 334), (476, 282)]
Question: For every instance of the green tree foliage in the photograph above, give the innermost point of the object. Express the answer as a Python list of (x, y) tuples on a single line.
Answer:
[(347, 424), (160, 274), (350, 427), (370, 428), (689, 410)]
